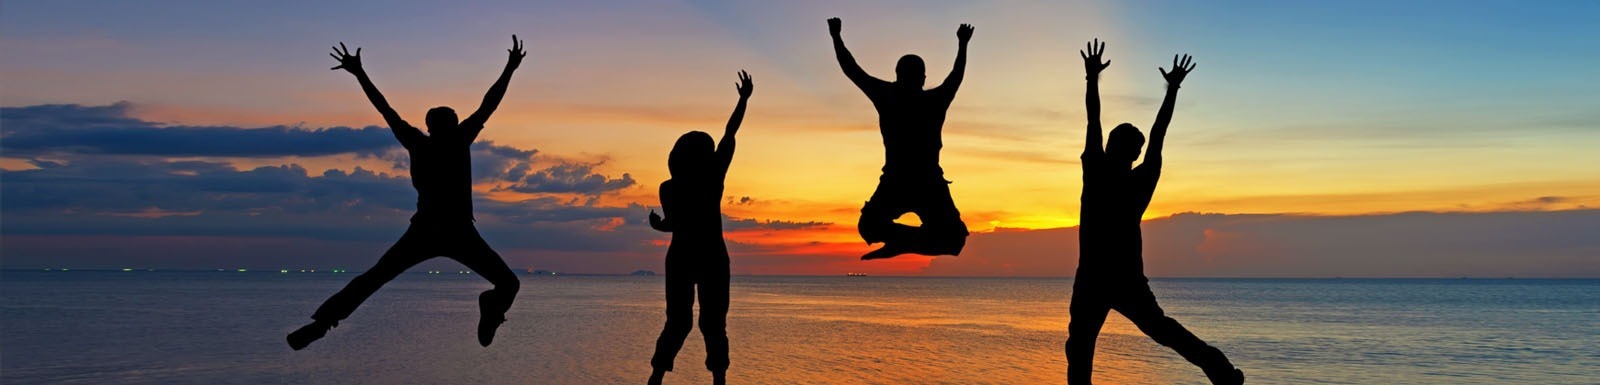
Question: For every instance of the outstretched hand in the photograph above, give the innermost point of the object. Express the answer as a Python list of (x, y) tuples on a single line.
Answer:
[(964, 33), (745, 85), (834, 26), (1180, 69), (1092, 58), (347, 61), (516, 53)]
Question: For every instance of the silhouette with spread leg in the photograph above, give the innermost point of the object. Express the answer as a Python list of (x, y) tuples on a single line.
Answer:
[(1110, 264), (692, 203), (910, 120), (441, 171)]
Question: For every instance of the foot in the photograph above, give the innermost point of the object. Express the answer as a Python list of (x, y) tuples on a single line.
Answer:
[(491, 313), (655, 377), (889, 250), (486, 328), (1231, 376), (302, 337), (719, 378)]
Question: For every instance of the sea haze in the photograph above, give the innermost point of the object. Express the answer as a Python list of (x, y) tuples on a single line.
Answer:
[(140, 327)]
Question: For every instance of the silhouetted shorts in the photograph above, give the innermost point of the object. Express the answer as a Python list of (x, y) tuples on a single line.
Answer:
[(927, 196)]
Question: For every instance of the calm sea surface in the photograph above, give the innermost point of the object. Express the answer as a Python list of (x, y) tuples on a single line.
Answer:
[(228, 328)]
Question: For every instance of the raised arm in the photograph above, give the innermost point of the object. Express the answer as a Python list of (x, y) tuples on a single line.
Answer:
[(1158, 131), (491, 100), (959, 70), (726, 146), (848, 62), (1093, 143), (403, 131)]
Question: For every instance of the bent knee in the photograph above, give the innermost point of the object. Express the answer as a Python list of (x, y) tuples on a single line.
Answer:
[(678, 328), (509, 284)]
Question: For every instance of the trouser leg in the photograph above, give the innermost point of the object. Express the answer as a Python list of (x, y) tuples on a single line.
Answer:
[(475, 253), (680, 319), (877, 224), (943, 231), (1088, 314), (714, 320), (1141, 308), (410, 250)]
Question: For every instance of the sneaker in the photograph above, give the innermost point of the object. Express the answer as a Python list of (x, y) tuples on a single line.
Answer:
[(492, 313), (302, 337), (1232, 376), (486, 328)]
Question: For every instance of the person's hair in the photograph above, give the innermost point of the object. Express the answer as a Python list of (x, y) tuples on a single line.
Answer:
[(691, 155), (910, 70), (1125, 142), (442, 118)]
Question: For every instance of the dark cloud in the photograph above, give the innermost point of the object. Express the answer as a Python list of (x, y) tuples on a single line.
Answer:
[(77, 129), (564, 177), (1496, 244), (101, 175), (734, 224)]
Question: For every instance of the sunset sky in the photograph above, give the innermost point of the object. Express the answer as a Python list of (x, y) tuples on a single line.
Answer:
[(1320, 139)]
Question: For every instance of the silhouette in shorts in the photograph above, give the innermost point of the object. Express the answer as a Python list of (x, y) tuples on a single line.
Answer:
[(441, 171), (910, 120)]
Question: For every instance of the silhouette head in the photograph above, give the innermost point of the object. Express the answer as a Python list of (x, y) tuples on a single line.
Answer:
[(442, 120), (910, 72), (691, 155), (1125, 143)]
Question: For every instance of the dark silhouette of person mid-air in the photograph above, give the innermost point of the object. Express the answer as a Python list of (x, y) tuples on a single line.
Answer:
[(1110, 256), (911, 120), (698, 256), (441, 171)]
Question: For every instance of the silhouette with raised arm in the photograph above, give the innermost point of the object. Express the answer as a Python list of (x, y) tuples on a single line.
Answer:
[(1110, 256), (911, 120), (441, 171), (692, 204)]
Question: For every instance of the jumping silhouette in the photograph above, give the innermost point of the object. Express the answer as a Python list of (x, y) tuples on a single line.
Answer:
[(441, 171), (1110, 264), (910, 120), (698, 256)]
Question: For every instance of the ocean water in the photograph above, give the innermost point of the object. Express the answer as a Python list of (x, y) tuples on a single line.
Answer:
[(228, 328)]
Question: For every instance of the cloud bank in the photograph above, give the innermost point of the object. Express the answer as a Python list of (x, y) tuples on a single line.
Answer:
[(1420, 244)]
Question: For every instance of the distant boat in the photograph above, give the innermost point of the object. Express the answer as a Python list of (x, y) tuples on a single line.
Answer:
[(855, 274)]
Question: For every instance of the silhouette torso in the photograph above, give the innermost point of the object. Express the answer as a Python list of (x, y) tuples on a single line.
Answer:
[(911, 121), (694, 205), (441, 171), (1114, 200)]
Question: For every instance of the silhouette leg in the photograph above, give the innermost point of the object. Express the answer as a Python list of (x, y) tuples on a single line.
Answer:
[(493, 303), (714, 319), (1088, 314), (877, 225), (410, 250), (943, 231), (1141, 308), (680, 319)]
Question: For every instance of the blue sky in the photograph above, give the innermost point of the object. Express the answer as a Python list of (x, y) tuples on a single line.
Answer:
[(1303, 109)]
